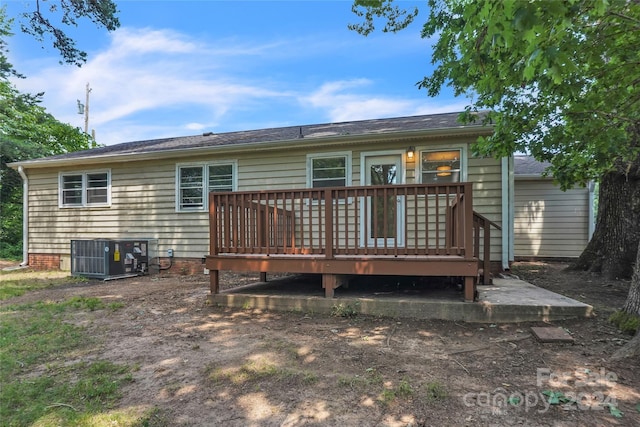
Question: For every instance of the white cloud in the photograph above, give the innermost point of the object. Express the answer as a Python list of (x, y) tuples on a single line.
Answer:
[(344, 102), (145, 70), (150, 83), (195, 126), (147, 40)]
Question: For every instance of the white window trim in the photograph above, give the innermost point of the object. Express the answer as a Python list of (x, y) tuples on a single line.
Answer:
[(205, 181), (348, 178), (346, 154), (434, 148), (84, 203)]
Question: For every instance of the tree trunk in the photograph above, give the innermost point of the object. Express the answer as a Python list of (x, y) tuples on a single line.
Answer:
[(632, 306), (612, 248)]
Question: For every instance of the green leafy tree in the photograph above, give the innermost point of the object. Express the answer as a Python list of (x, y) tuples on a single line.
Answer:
[(47, 19), (27, 131), (559, 80)]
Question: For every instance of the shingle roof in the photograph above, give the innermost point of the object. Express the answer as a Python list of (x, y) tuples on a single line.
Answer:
[(303, 133), (527, 165)]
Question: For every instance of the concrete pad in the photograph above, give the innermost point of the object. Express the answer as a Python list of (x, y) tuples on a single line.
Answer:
[(526, 302), (507, 300)]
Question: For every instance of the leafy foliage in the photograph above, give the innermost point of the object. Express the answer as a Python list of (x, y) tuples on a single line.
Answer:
[(41, 23), (27, 131), (558, 79), (396, 18)]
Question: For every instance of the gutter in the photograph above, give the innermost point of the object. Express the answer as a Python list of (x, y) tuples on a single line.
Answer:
[(25, 217), (512, 208)]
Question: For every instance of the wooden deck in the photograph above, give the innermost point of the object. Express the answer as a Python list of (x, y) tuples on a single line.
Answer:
[(402, 230)]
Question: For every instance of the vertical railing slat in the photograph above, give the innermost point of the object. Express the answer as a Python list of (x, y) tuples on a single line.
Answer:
[(225, 230), (328, 229)]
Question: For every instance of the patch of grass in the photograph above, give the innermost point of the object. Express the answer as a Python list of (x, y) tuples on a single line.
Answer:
[(308, 378), (152, 418), (34, 333), (387, 396), (402, 391), (59, 307), (435, 391), (345, 310), (41, 385), (627, 323), (370, 378), (18, 282), (114, 306)]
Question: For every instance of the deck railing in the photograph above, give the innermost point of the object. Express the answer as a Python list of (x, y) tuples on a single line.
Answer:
[(393, 220)]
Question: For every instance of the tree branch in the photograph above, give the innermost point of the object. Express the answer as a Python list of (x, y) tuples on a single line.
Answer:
[(628, 18)]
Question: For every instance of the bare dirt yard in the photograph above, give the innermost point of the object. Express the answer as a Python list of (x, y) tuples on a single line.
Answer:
[(200, 365)]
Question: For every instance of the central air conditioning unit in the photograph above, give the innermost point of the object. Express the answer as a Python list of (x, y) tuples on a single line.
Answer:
[(114, 258)]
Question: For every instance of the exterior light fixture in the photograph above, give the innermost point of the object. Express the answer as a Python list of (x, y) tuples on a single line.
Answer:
[(411, 151), (444, 170)]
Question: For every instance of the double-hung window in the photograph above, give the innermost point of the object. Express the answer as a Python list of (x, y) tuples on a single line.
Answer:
[(443, 166), (194, 182), (85, 189), (329, 170)]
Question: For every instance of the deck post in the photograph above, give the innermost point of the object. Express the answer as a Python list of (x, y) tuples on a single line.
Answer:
[(329, 282), (263, 276), (213, 225), (469, 289), (214, 281)]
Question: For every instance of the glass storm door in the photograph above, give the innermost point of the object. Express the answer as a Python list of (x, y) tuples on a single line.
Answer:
[(384, 213)]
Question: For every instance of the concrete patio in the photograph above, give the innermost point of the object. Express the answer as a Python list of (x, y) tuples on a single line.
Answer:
[(506, 300)]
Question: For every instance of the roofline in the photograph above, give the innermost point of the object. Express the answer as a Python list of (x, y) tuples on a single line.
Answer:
[(253, 146)]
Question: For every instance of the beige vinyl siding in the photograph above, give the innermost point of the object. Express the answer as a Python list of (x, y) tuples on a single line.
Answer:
[(549, 222), (143, 197), (142, 206), (272, 171), (486, 176)]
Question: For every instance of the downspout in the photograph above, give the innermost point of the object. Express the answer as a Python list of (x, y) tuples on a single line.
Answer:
[(505, 213), (25, 217), (512, 209)]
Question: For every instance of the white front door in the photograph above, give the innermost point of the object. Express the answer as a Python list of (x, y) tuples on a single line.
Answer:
[(384, 219)]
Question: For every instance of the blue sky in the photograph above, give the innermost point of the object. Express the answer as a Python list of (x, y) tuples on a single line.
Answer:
[(177, 68)]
